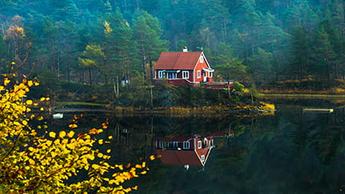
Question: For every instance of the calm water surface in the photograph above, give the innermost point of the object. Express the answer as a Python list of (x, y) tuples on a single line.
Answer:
[(291, 152)]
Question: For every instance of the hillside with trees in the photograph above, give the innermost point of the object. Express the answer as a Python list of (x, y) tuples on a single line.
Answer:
[(267, 42)]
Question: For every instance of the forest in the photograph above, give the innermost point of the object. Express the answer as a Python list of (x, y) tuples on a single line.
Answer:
[(95, 42)]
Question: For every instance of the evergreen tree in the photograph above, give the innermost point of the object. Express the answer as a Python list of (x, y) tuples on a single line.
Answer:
[(323, 55), (261, 65), (147, 33), (300, 53), (119, 48), (227, 65)]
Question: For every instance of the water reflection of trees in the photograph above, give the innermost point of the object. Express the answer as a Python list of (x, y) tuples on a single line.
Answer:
[(290, 153)]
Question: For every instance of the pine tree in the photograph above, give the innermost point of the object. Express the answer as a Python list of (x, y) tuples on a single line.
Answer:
[(261, 63), (300, 53), (323, 55), (119, 48), (147, 33)]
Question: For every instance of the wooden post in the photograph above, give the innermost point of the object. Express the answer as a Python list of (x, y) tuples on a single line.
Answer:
[(229, 92), (151, 97)]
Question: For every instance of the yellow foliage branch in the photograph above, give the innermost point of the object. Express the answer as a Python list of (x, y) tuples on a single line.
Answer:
[(32, 163)]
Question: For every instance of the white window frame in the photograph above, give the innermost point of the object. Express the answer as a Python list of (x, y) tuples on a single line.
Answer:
[(199, 144), (185, 74), (186, 145), (198, 74), (175, 144), (160, 74)]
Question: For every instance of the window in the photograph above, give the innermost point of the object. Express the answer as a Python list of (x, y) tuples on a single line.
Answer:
[(199, 144), (161, 145), (205, 142), (186, 145), (198, 74), (175, 144), (201, 59), (211, 74), (160, 74), (185, 74), (171, 75)]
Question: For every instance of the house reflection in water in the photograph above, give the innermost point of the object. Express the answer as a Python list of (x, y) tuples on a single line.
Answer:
[(185, 152)]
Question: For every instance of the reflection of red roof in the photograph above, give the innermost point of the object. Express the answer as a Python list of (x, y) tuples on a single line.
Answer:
[(178, 60), (179, 158), (183, 157)]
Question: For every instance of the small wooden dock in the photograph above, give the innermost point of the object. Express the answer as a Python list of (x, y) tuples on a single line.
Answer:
[(318, 110)]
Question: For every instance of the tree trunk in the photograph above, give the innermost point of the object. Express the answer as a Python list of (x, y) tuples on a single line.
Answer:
[(151, 97), (90, 76), (117, 87), (151, 72), (114, 88)]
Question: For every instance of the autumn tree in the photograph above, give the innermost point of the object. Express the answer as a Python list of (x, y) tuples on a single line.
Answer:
[(91, 58), (17, 43), (35, 159)]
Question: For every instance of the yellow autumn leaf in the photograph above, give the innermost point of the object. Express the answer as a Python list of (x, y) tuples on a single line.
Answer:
[(52, 134), (73, 126), (152, 157), (31, 162), (30, 83), (6, 81), (70, 134), (62, 134), (100, 155)]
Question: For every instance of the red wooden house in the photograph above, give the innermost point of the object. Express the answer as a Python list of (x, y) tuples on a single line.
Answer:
[(182, 151), (185, 67)]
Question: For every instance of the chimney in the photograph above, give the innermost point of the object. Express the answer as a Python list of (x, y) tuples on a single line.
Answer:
[(185, 49)]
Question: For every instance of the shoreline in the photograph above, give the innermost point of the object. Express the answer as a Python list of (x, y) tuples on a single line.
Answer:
[(205, 111), (300, 96)]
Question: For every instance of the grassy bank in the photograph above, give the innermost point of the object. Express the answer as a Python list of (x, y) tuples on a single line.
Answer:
[(300, 96), (80, 104), (204, 111)]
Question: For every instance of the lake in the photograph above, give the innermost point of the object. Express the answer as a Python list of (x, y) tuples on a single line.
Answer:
[(291, 152)]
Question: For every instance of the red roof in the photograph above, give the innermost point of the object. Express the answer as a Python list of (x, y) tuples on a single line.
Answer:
[(178, 60)]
